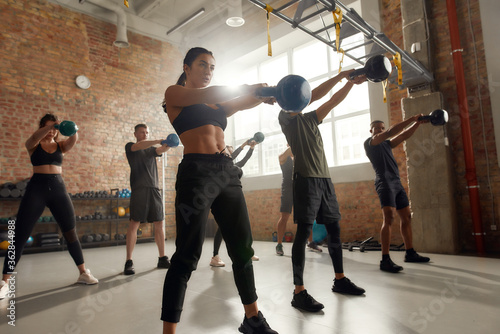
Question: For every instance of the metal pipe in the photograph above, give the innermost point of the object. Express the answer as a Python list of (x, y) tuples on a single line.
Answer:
[(470, 166), (121, 24)]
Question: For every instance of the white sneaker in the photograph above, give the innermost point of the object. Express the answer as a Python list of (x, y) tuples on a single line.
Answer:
[(255, 258), (87, 278), (4, 289), (217, 262)]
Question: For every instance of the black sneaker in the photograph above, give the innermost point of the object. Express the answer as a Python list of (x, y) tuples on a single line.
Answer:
[(163, 262), (306, 302), (415, 257), (314, 247), (389, 266), (256, 325), (344, 285), (129, 268)]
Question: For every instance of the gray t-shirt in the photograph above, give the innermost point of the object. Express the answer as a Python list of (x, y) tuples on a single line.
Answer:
[(143, 168)]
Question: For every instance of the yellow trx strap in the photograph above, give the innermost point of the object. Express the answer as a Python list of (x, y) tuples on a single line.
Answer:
[(397, 62), (341, 59), (337, 19), (384, 86), (269, 9), (125, 2)]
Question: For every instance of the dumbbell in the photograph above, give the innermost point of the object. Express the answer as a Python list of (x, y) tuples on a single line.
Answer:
[(436, 117), (376, 69), (293, 93), (171, 141), (258, 137), (66, 128)]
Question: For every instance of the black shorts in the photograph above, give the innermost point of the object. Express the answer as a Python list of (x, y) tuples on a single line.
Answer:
[(314, 199), (146, 205), (392, 194), (286, 199)]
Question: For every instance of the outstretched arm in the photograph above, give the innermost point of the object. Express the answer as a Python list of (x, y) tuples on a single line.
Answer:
[(338, 97), (407, 133), (35, 138), (320, 91), (393, 131), (144, 144), (68, 144)]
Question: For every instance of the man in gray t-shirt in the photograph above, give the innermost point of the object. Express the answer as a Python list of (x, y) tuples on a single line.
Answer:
[(146, 203)]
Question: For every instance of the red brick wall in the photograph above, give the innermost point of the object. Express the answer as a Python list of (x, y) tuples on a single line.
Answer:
[(43, 48), (484, 151)]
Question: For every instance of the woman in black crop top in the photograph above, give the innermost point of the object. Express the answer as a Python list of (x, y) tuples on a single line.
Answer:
[(46, 189), (208, 180)]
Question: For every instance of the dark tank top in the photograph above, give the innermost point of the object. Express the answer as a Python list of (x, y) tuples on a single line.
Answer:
[(41, 157), (197, 115)]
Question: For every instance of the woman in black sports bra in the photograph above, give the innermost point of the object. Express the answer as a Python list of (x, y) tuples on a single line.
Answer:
[(207, 179), (46, 189)]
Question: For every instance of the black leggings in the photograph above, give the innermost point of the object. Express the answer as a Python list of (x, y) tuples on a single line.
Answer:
[(208, 182), (299, 249), (217, 241), (45, 190)]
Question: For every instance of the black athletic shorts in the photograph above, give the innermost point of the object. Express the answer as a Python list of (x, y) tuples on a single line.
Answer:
[(146, 205), (286, 199), (314, 199), (392, 194)]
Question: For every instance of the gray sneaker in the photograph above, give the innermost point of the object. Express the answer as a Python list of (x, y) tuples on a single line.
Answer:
[(279, 250)]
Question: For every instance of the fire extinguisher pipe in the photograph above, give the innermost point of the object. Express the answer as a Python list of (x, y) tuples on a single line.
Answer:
[(470, 166)]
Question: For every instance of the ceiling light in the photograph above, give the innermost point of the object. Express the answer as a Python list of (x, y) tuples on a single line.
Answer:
[(235, 13)]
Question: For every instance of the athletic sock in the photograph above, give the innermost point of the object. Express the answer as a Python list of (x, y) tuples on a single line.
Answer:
[(385, 257)]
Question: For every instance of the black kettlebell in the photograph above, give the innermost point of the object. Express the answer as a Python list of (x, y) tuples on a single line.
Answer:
[(377, 68), (293, 93), (436, 117)]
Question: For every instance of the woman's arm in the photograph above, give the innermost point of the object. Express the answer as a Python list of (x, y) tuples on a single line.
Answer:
[(68, 144), (180, 96), (35, 138)]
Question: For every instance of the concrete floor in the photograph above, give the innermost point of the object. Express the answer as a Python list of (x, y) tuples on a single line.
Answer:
[(452, 294)]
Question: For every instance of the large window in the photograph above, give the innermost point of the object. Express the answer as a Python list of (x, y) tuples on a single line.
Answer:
[(343, 130)]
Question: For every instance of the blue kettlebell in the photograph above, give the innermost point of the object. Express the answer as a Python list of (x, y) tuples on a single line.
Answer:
[(293, 93), (171, 141), (66, 128)]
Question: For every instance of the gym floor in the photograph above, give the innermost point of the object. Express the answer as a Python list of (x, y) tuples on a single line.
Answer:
[(451, 294)]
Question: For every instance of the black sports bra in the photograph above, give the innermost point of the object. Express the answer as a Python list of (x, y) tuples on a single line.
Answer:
[(198, 115), (41, 157)]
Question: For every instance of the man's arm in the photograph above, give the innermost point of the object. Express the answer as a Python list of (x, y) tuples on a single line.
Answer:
[(320, 91), (144, 144), (338, 97), (407, 133), (393, 131)]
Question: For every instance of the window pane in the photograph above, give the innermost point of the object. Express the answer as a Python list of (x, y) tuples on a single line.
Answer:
[(310, 61), (272, 71), (272, 147), (252, 166), (326, 133), (346, 44), (356, 100), (350, 136)]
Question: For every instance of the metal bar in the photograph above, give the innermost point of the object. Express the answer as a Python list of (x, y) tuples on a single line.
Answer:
[(285, 6), (304, 29)]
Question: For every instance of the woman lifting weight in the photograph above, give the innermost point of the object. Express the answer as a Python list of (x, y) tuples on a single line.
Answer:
[(46, 189), (208, 179)]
